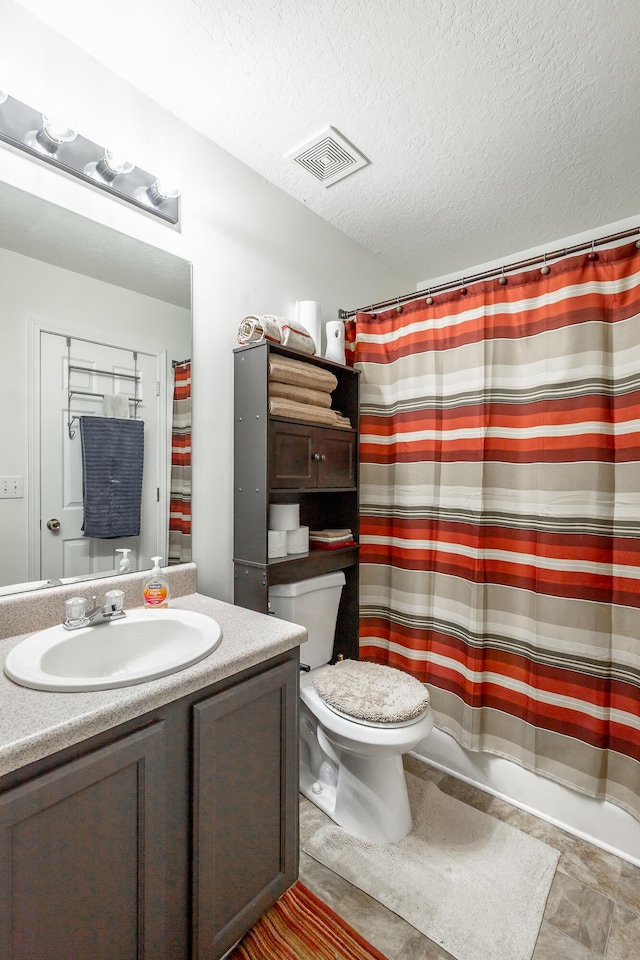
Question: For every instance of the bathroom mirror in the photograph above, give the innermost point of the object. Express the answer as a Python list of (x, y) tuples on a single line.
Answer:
[(60, 272)]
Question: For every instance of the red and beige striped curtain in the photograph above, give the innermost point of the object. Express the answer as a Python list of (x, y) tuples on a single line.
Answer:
[(500, 513), (180, 509)]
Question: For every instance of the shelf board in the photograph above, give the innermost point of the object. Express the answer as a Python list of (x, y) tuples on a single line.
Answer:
[(302, 566)]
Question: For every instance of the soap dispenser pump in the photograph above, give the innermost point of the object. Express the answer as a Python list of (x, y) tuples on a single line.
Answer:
[(155, 591), (125, 563)]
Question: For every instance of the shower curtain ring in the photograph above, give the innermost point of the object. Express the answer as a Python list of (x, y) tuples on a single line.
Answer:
[(544, 268), (502, 279), (399, 307), (593, 255), (463, 289), (429, 297)]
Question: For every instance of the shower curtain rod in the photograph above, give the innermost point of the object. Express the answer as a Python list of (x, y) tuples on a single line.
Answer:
[(488, 274)]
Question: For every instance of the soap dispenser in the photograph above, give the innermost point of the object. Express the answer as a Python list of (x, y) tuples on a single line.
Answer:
[(155, 591), (125, 562)]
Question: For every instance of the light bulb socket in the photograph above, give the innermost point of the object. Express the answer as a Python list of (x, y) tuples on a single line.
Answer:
[(52, 135), (111, 166), (161, 190)]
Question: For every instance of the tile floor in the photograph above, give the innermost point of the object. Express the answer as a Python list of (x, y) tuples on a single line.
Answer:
[(593, 910)]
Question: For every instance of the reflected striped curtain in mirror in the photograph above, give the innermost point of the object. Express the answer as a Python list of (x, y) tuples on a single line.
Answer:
[(180, 509)]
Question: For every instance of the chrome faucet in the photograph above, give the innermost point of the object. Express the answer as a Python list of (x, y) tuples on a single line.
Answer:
[(77, 616)]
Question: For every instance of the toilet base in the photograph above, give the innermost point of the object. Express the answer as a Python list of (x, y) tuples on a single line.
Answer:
[(365, 795)]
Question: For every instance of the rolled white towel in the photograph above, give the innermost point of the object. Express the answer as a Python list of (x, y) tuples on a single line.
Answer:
[(256, 327), (267, 326)]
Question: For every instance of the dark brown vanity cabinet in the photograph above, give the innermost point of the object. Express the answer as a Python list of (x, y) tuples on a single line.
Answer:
[(282, 460), (165, 838), (82, 856)]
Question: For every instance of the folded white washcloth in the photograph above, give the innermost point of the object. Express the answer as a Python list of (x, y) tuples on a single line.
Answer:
[(116, 405)]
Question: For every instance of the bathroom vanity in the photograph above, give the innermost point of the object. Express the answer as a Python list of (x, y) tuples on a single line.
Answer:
[(156, 821)]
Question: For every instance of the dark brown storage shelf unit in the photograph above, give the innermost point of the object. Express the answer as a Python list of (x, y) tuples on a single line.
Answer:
[(275, 462)]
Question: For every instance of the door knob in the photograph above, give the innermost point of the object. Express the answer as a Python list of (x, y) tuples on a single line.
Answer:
[(53, 524)]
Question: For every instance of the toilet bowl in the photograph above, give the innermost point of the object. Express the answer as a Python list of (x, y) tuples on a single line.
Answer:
[(351, 765)]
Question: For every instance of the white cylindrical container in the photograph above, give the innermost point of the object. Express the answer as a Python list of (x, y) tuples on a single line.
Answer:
[(308, 314), (298, 540), (284, 516), (335, 341), (276, 544)]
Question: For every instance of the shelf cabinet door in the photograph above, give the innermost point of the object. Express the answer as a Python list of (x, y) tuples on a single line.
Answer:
[(82, 857), (291, 455), (245, 805), (337, 464), (306, 457)]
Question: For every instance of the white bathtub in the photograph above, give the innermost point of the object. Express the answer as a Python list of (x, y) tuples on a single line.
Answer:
[(600, 822)]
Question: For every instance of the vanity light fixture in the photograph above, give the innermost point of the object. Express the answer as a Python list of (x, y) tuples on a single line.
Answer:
[(46, 138)]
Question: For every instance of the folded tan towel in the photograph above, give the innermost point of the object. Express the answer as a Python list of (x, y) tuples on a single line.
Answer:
[(302, 374), (318, 398), (280, 407), (266, 326)]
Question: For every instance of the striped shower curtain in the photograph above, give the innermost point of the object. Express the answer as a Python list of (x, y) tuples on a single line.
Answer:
[(180, 508), (500, 513)]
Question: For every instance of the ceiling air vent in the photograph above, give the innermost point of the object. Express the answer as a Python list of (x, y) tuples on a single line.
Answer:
[(328, 157)]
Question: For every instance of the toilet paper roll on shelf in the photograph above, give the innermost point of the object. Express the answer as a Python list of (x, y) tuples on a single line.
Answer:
[(308, 314), (276, 544), (298, 540), (284, 516)]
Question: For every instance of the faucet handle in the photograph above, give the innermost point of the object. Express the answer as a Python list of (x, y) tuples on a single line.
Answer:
[(74, 609), (114, 599)]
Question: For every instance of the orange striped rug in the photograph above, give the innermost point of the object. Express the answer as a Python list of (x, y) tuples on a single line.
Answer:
[(299, 926)]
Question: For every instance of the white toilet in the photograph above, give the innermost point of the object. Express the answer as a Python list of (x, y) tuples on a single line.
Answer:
[(356, 720)]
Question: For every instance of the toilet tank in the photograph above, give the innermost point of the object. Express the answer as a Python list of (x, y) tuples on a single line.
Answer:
[(313, 604)]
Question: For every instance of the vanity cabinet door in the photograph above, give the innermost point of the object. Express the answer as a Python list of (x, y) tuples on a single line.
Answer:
[(82, 864), (245, 845)]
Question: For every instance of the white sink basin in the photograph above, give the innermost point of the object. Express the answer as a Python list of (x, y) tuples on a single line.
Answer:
[(144, 645)]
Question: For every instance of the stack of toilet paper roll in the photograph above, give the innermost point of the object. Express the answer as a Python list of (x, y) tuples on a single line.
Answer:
[(285, 534)]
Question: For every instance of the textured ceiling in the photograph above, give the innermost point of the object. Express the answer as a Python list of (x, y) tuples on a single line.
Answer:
[(491, 126)]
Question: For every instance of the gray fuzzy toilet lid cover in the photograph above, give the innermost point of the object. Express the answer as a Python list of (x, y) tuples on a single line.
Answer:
[(371, 692)]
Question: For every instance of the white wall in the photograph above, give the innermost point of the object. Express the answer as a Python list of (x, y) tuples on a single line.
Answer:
[(33, 289), (253, 248)]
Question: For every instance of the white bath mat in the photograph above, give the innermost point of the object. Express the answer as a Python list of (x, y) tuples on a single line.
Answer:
[(473, 885)]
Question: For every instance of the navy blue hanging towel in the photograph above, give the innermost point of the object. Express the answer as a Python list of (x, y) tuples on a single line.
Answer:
[(112, 463)]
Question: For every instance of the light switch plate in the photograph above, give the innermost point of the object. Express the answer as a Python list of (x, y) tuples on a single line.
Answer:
[(11, 488)]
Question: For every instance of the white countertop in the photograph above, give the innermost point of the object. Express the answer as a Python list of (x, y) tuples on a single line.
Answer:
[(36, 723)]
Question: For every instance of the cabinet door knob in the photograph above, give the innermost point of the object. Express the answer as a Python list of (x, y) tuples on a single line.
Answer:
[(316, 456), (323, 457)]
